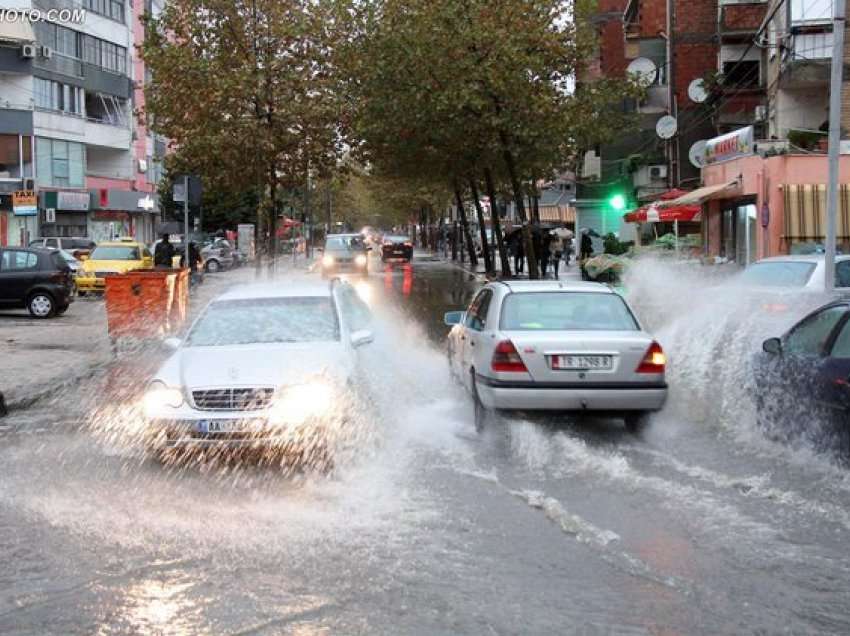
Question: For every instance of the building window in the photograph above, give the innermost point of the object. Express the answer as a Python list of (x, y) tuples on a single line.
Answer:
[(10, 163), (60, 163), (742, 74), (106, 55), (112, 9), (52, 95)]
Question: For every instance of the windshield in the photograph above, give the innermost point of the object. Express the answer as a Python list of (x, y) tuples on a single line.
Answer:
[(566, 311), (396, 239), (116, 253), (777, 274), (266, 320), (344, 243), (67, 257)]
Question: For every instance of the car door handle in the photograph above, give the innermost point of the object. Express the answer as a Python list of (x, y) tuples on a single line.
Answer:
[(471, 343)]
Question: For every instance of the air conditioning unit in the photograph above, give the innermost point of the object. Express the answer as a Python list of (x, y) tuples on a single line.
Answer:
[(657, 172), (143, 165), (28, 51), (760, 113), (46, 52), (592, 166)]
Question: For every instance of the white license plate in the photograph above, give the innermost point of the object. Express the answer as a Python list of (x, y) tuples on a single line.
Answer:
[(582, 363), (225, 426)]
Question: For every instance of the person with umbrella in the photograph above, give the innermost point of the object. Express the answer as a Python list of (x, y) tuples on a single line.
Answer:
[(556, 248), (586, 246)]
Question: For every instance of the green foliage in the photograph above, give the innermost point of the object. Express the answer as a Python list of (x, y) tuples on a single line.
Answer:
[(614, 246)]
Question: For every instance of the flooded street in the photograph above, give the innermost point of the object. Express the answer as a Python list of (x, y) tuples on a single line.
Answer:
[(700, 525)]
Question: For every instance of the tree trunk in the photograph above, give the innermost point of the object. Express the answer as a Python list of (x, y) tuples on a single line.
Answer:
[(470, 245), (454, 240), (531, 257), (485, 245), (272, 219), (497, 225)]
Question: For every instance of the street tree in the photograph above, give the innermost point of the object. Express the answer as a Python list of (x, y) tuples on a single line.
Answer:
[(246, 91)]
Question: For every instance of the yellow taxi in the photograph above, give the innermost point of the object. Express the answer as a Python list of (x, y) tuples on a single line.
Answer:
[(112, 257)]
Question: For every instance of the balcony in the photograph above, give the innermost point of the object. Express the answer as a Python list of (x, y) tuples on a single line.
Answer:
[(59, 125), (806, 64)]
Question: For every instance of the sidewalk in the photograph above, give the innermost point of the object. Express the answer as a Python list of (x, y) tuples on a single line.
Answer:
[(571, 273), (41, 357)]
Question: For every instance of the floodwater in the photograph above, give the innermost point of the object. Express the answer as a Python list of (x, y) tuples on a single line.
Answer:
[(701, 525)]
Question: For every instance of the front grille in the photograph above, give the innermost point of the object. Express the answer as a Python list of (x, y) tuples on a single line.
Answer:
[(102, 274), (232, 399)]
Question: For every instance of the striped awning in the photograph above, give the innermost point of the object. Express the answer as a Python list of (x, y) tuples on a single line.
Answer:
[(805, 212), (557, 214)]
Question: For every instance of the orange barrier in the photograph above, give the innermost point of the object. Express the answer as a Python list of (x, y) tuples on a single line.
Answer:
[(147, 303)]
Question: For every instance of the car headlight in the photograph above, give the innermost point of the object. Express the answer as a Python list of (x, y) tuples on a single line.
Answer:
[(360, 260), (328, 260), (300, 402), (160, 396)]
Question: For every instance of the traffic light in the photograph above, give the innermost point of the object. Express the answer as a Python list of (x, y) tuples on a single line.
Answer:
[(617, 202)]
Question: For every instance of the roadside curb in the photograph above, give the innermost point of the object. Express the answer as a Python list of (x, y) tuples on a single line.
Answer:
[(44, 390)]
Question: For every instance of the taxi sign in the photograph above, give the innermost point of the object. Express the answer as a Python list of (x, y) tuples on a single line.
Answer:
[(24, 203)]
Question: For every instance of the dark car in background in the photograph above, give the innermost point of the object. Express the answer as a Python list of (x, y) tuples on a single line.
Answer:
[(802, 379), (77, 247), (345, 253), (397, 248), (38, 280)]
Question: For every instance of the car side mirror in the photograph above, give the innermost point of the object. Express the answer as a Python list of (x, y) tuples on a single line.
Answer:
[(453, 318), (172, 343), (361, 337), (772, 346)]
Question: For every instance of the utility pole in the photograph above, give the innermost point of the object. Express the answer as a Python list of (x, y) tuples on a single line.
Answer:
[(836, 73), (186, 219)]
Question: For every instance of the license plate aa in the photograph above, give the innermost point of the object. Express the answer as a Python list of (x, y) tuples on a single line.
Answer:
[(224, 426), (581, 362)]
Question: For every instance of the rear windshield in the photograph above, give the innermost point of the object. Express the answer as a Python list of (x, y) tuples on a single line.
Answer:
[(396, 239), (777, 274), (117, 253), (566, 311), (266, 320)]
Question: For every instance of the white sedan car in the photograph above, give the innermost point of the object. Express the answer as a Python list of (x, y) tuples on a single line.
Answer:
[(267, 367), (552, 346)]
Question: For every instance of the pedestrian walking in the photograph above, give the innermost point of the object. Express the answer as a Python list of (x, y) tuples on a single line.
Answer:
[(556, 251), (163, 254), (517, 250), (3, 410), (568, 247), (586, 245), (195, 261), (541, 251)]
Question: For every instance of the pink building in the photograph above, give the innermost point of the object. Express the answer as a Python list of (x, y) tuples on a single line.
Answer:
[(756, 206)]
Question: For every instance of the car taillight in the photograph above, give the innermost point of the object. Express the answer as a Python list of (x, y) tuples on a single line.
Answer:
[(506, 358), (408, 244), (654, 361)]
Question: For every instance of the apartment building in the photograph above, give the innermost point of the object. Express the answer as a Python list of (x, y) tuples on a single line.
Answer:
[(68, 91)]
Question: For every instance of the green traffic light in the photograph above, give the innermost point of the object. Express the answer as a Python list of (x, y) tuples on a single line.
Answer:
[(617, 202)]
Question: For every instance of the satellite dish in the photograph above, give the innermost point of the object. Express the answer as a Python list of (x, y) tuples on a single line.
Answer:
[(666, 127), (697, 92), (697, 154), (644, 71)]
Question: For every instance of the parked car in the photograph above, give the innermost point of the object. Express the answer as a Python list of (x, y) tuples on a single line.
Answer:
[(397, 248), (36, 279), (74, 264), (78, 247), (218, 256), (794, 272), (802, 379), (264, 367), (112, 257), (345, 253), (549, 346)]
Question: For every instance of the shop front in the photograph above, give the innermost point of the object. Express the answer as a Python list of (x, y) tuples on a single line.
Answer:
[(64, 213), (768, 206), (22, 218), (123, 213)]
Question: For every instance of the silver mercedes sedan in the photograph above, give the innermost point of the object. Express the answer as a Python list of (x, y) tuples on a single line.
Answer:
[(268, 368), (556, 346)]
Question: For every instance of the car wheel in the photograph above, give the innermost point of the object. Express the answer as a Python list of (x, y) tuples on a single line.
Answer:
[(41, 305), (81, 294), (62, 310), (213, 267), (480, 413), (636, 422), (450, 353)]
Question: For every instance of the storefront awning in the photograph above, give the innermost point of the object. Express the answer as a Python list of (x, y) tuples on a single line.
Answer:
[(698, 196), (805, 212), (557, 214), (655, 214)]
